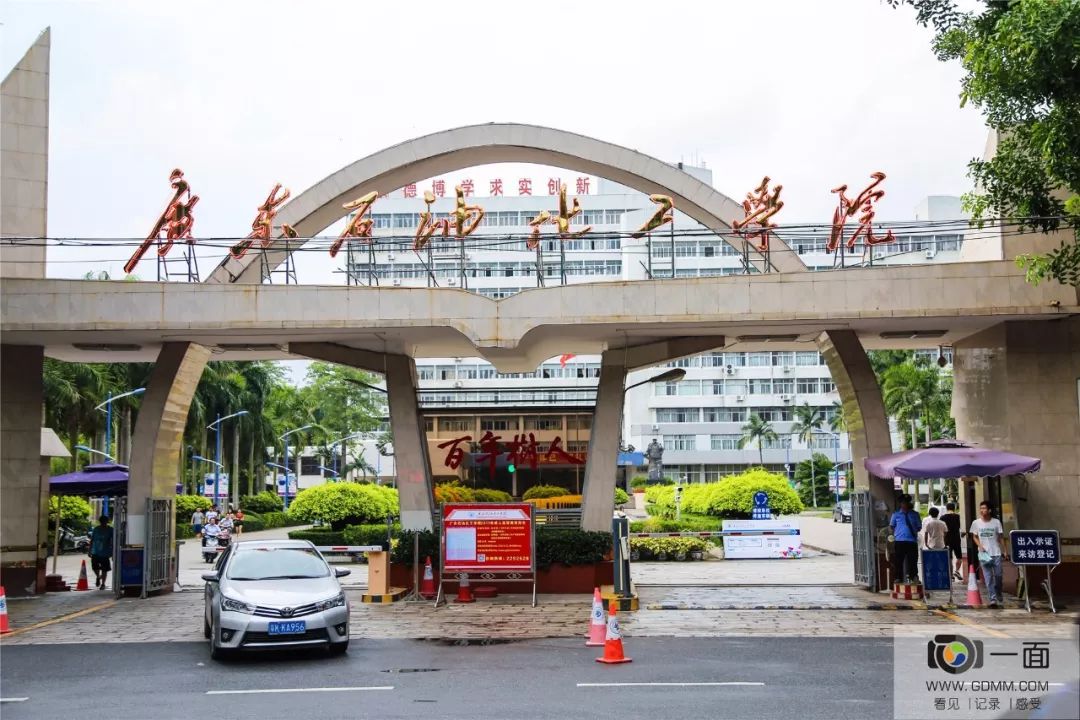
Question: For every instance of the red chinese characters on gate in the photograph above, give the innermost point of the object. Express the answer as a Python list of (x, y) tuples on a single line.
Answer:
[(523, 450), (487, 536)]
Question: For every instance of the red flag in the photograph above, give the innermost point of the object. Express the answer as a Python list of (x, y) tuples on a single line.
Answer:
[(564, 358)]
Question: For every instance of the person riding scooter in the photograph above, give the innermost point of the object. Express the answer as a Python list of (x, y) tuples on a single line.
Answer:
[(211, 533)]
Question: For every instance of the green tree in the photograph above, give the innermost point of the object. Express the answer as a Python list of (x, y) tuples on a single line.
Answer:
[(837, 421), (1021, 62), (919, 392), (813, 480), (808, 420), (758, 431)]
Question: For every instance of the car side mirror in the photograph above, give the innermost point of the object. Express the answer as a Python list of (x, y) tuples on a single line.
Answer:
[(342, 572), (210, 577)]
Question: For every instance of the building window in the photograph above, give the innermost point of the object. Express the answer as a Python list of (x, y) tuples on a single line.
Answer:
[(579, 422), (808, 385), (678, 442), (677, 415), (781, 443), (827, 385), (715, 415), (824, 442), (456, 425), (735, 359), (758, 359), (499, 423), (309, 465), (761, 387), (545, 422), (725, 442), (425, 372), (735, 387), (783, 386), (666, 388), (807, 358), (783, 359)]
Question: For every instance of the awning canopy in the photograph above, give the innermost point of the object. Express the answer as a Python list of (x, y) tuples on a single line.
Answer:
[(99, 479), (950, 459)]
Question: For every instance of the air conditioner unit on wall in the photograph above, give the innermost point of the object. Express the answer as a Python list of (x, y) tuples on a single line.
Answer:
[(729, 370), (740, 398), (929, 254), (785, 398), (397, 281), (788, 369), (451, 281), (390, 257)]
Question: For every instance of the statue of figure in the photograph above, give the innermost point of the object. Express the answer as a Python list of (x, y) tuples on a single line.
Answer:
[(655, 455)]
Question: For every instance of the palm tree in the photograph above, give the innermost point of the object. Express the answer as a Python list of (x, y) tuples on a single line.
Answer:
[(837, 421), (808, 420), (759, 431)]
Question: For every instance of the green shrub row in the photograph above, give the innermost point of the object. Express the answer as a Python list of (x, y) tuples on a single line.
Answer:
[(640, 481), (370, 535), (318, 536), (344, 503), (567, 546), (272, 520), (621, 497), (731, 497), (537, 492), (263, 502), (688, 523)]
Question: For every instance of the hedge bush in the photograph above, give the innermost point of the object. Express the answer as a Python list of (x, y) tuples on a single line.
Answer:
[(454, 491), (731, 497), (374, 534), (650, 548), (344, 503), (263, 502), (640, 481), (253, 522), (401, 551), (621, 497), (272, 520), (74, 512), (490, 495), (544, 491), (570, 546), (319, 536), (688, 523)]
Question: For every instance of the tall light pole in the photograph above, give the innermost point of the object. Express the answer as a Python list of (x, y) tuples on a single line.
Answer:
[(108, 414), (337, 442), (216, 427), (286, 443), (217, 467), (836, 460), (673, 375)]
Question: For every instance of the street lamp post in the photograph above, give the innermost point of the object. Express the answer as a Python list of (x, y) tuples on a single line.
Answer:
[(217, 467), (216, 427), (337, 442), (108, 414), (286, 443)]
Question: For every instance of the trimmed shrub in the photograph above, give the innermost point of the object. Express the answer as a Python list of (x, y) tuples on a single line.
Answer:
[(401, 551), (370, 535), (490, 495), (544, 491), (253, 522), (570, 547), (621, 497), (452, 492), (319, 536), (272, 520), (263, 502), (731, 497), (642, 481), (344, 503), (688, 523)]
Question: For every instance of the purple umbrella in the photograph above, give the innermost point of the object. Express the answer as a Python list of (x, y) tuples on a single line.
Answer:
[(949, 459), (99, 479)]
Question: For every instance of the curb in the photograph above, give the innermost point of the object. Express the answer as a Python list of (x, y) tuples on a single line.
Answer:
[(663, 606), (822, 550)]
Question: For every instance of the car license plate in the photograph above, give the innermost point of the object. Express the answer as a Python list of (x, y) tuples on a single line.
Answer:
[(287, 628)]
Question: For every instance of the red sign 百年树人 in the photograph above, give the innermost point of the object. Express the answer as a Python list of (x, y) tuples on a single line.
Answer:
[(487, 536)]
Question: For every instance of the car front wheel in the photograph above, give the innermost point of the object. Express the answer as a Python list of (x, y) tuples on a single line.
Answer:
[(339, 648), (216, 653)]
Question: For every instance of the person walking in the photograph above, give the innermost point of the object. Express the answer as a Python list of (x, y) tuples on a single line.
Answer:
[(952, 538), (238, 521), (905, 524), (101, 550), (989, 537), (198, 519), (934, 531)]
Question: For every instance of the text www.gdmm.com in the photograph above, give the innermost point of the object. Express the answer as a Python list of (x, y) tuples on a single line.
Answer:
[(988, 686)]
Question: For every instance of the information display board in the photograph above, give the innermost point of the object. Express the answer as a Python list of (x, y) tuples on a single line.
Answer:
[(785, 543), (487, 537)]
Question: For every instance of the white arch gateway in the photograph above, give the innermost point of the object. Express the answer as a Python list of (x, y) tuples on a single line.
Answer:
[(387, 170)]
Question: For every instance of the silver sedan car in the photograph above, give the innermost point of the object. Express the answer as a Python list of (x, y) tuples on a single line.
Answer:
[(274, 594)]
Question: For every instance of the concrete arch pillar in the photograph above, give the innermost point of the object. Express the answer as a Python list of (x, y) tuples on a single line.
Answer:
[(159, 430), (598, 492)]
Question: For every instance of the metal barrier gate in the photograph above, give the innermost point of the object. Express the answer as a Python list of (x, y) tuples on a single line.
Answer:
[(158, 550), (119, 522), (862, 535)]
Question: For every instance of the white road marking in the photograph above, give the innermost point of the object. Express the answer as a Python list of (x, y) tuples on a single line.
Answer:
[(4, 700), (673, 684), (298, 690)]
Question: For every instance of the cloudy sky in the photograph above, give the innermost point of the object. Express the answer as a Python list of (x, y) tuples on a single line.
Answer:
[(244, 94)]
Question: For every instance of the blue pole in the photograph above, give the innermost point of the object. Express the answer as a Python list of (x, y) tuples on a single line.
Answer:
[(108, 446), (217, 459), (285, 497), (836, 464)]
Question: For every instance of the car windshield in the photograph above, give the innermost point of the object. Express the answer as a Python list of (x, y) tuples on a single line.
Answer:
[(277, 563)]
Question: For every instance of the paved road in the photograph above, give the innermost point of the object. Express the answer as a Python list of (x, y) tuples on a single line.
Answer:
[(830, 678)]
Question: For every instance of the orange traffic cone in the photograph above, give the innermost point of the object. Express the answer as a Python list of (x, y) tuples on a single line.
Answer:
[(83, 584), (613, 651), (597, 626), (427, 585), (464, 593), (4, 628), (974, 599)]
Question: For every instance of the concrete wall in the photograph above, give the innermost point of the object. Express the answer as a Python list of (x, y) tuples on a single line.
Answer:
[(24, 487), (1016, 388), (24, 160)]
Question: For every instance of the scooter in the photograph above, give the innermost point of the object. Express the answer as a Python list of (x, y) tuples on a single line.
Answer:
[(210, 549), (223, 540)]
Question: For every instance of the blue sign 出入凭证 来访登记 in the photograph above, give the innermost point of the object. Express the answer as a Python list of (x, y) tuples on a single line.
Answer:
[(1035, 547), (761, 509)]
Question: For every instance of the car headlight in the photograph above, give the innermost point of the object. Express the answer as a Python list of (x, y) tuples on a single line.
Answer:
[(336, 601), (236, 606)]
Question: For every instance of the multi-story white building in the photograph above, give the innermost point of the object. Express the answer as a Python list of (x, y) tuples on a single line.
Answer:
[(699, 419)]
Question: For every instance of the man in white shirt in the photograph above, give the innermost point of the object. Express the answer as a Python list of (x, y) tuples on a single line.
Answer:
[(934, 531), (989, 540)]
